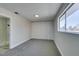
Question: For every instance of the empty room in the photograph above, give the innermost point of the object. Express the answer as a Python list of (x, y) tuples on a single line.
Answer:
[(39, 29)]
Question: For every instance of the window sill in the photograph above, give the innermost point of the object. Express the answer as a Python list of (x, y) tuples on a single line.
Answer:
[(69, 32)]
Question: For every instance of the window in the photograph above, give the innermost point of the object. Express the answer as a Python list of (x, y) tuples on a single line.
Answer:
[(62, 23), (69, 21)]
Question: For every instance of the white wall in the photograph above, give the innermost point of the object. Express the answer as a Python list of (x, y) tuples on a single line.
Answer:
[(67, 43), (42, 30), (20, 28)]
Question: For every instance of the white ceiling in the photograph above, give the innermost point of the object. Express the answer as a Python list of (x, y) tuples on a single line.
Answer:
[(46, 11)]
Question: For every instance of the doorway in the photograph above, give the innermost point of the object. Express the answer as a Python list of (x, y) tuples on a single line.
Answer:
[(4, 33)]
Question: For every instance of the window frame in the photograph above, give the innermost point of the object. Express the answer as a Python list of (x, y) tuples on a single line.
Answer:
[(64, 13)]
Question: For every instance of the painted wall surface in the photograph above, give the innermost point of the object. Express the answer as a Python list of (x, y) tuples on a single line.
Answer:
[(20, 28), (42, 30), (67, 43)]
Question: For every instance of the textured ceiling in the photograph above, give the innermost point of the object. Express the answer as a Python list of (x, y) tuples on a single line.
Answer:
[(46, 11)]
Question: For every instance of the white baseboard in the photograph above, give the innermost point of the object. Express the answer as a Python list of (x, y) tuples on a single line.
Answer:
[(11, 47), (42, 39), (58, 48)]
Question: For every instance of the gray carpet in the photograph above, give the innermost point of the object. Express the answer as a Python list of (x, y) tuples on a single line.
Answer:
[(34, 47)]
